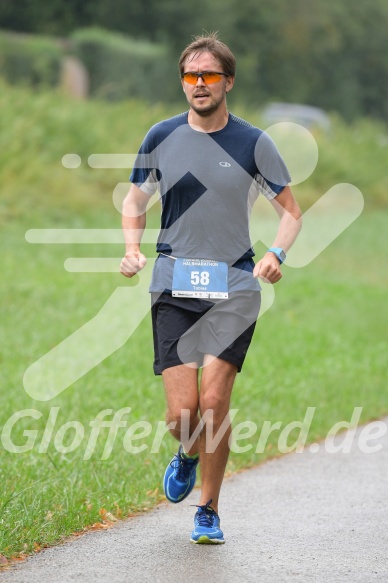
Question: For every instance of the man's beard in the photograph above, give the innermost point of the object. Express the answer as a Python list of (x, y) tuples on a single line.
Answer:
[(209, 109)]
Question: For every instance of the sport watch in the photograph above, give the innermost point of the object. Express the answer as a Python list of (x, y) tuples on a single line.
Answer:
[(279, 252)]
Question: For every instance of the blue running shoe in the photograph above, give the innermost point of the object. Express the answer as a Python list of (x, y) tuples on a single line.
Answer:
[(180, 476), (207, 526)]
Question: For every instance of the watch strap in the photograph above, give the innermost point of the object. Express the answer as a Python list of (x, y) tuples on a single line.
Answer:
[(279, 252)]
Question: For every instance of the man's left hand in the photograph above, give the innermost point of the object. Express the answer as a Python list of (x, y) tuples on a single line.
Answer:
[(268, 268)]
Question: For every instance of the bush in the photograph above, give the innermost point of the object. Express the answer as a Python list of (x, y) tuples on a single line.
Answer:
[(31, 60), (120, 67)]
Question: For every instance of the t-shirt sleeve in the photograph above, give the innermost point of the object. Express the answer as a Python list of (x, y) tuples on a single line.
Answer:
[(145, 173), (272, 173)]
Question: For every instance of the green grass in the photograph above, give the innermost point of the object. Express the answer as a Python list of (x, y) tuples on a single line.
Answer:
[(322, 344)]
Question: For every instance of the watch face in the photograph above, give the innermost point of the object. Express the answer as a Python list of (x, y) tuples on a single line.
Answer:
[(282, 255)]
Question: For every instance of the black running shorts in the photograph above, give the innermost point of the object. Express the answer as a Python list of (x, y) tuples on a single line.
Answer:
[(185, 329)]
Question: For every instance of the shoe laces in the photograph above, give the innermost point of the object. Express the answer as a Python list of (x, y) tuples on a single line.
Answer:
[(205, 514), (183, 467)]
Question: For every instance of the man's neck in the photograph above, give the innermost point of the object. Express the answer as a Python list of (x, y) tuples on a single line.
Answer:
[(213, 123)]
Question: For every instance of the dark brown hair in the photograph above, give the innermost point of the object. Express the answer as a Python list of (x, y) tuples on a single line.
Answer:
[(210, 44)]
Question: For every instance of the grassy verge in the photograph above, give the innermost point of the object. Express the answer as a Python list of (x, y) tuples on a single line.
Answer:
[(322, 344)]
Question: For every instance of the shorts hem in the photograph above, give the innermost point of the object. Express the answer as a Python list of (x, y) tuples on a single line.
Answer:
[(158, 369)]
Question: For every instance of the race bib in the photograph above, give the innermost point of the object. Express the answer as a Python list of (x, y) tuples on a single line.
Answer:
[(200, 278)]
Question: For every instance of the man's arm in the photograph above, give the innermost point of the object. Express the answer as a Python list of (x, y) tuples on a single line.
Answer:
[(133, 222), (268, 268)]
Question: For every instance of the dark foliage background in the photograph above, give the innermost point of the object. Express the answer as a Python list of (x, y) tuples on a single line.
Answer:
[(327, 53)]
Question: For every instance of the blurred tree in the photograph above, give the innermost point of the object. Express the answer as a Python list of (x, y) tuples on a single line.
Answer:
[(314, 51), (57, 17)]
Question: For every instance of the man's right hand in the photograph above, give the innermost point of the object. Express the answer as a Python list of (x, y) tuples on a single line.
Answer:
[(133, 262)]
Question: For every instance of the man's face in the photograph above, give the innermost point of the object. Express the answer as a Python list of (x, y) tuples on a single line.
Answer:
[(205, 99)]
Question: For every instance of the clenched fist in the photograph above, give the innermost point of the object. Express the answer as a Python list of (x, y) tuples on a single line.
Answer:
[(133, 262), (268, 268)]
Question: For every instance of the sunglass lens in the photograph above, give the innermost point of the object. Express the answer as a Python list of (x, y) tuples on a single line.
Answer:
[(190, 78), (210, 78)]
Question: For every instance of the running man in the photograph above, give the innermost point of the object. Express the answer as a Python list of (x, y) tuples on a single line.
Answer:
[(209, 166)]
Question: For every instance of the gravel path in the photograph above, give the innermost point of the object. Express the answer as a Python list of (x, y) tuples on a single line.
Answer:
[(305, 517)]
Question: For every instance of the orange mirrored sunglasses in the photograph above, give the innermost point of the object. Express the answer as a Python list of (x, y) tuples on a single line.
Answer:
[(208, 77)]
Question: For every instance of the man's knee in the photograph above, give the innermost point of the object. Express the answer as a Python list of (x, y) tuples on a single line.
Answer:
[(216, 388), (181, 417), (214, 407)]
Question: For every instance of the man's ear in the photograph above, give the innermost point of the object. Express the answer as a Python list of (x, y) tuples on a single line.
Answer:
[(229, 83)]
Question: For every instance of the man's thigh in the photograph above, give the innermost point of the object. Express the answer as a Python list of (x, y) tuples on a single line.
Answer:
[(181, 388)]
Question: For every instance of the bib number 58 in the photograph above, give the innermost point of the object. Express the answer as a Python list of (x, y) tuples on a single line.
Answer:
[(200, 277)]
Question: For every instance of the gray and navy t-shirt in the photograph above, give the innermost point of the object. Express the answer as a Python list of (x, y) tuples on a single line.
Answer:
[(207, 183)]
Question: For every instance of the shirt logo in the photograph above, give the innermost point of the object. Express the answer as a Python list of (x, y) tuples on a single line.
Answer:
[(225, 164)]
